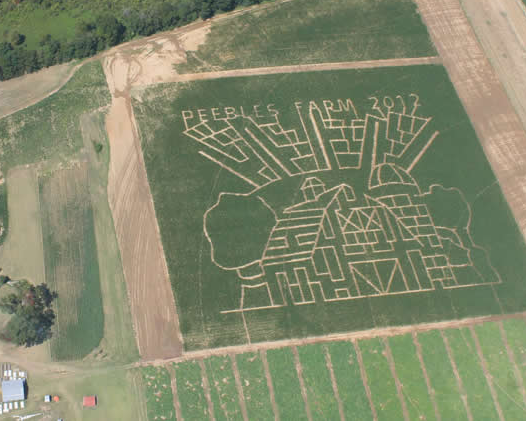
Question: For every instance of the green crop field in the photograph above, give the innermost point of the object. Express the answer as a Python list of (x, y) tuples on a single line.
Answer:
[(349, 380), (158, 391), (317, 380), (310, 31), (190, 390), (223, 391), (429, 390), (413, 383), (288, 211), (286, 384), (463, 350), (255, 388), (71, 265)]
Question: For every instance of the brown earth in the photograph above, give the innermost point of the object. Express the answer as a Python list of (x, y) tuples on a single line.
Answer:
[(497, 124)]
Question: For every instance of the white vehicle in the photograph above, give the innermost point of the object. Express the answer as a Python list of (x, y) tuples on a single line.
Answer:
[(16, 405), (22, 404), (10, 405), (5, 407)]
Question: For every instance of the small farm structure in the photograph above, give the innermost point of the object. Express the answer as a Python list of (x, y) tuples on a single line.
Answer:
[(13, 390), (89, 402)]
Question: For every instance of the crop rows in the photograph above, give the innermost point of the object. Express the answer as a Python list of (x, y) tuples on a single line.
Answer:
[(466, 373)]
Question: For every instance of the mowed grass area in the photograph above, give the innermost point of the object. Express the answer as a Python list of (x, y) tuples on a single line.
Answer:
[(71, 262), (188, 174), (310, 31), (22, 253), (119, 391), (429, 390)]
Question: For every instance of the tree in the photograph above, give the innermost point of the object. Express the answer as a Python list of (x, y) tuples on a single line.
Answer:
[(32, 313), (17, 38)]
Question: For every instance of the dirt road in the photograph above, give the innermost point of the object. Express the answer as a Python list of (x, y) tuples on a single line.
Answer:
[(497, 124)]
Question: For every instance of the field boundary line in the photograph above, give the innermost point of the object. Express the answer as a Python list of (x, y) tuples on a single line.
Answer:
[(463, 393), (361, 334), (175, 395), (300, 68), (239, 387), (206, 389), (430, 389), (270, 385), (513, 361), (328, 363), (392, 367), (365, 380), (487, 374), (299, 372)]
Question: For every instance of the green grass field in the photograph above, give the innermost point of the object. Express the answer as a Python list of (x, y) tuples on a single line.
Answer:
[(223, 391), (71, 263), (309, 31), (263, 157)]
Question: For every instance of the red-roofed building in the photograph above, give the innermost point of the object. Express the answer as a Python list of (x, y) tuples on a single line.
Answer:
[(89, 401)]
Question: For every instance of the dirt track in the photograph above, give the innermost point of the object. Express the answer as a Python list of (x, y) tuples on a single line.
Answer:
[(494, 118)]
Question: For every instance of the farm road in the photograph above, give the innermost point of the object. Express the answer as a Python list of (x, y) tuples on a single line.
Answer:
[(383, 332), (495, 120), (257, 71)]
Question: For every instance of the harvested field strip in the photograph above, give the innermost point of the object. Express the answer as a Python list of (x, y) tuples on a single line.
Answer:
[(320, 394), (286, 384), (470, 370), (414, 389), (381, 382), (190, 389), (223, 389), (159, 399), (503, 378), (441, 376), (71, 266), (255, 389), (349, 381)]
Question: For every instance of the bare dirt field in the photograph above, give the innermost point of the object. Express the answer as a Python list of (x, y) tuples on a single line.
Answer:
[(145, 271), (491, 112), (27, 90)]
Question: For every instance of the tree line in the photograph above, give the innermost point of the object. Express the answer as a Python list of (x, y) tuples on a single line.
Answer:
[(106, 31)]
